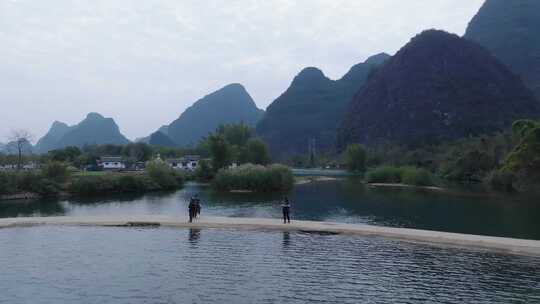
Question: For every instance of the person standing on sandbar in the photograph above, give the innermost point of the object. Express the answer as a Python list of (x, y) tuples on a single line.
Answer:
[(286, 209), (192, 208)]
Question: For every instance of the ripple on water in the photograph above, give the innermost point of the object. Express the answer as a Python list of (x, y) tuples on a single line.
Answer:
[(159, 265)]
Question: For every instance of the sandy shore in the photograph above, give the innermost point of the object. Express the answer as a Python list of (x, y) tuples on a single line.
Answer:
[(312, 179), (432, 188), (509, 245)]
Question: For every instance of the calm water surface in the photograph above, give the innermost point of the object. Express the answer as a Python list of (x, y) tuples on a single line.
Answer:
[(339, 201), (51, 264)]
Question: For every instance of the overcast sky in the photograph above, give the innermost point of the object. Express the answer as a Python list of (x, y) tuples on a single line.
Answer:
[(144, 62)]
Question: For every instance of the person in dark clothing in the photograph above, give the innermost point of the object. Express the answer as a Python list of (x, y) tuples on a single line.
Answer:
[(286, 208), (192, 208)]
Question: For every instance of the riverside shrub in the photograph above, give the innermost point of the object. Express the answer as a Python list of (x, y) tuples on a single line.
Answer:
[(501, 181), (406, 175), (56, 171), (164, 176), (416, 177), (92, 185), (256, 178), (384, 174), (8, 184)]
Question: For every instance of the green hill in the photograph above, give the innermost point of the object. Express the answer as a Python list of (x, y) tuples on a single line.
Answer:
[(94, 129), (437, 87), (231, 104), (311, 108), (510, 29), (50, 140)]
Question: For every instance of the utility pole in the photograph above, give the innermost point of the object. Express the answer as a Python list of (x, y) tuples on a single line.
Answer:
[(312, 149)]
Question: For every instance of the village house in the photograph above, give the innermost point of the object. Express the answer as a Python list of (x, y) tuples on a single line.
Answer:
[(26, 167), (7, 167), (187, 163), (114, 163)]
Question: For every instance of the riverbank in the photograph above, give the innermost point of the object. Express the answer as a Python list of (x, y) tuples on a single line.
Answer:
[(302, 180), (508, 245), (404, 186)]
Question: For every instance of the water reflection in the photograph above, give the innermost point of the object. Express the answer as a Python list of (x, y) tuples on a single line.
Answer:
[(286, 239), (31, 208), (194, 236)]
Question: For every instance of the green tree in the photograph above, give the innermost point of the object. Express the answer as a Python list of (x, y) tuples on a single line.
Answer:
[(236, 134), (137, 152), (220, 151), (521, 128), (56, 171), (204, 171), (67, 154), (161, 174), (19, 142), (355, 158), (256, 152)]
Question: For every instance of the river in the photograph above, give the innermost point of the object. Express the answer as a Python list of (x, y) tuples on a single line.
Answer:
[(344, 200), (65, 264)]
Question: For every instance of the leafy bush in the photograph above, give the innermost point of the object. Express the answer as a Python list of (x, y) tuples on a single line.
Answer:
[(524, 161), (406, 175), (255, 178), (46, 188), (204, 172), (90, 185), (355, 158), (135, 183), (471, 166), (501, 181), (416, 177), (26, 181), (16, 182), (164, 176), (256, 152), (384, 174), (56, 171), (8, 183)]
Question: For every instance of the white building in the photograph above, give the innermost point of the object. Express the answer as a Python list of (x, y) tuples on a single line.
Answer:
[(187, 163), (112, 163), (8, 167), (12, 167)]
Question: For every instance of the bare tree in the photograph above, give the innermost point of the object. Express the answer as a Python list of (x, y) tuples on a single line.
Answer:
[(19, 142)]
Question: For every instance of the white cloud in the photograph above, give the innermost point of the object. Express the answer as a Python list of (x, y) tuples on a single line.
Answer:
[(143, 62)]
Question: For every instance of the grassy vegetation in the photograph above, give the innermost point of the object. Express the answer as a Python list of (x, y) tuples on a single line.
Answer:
[(92, 185), (157, 178), (521, 168), (20, 182), (405, 175), (384, 174), (256, 178), (56, 177)]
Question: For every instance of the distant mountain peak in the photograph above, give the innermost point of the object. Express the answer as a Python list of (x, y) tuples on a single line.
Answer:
[(311, 108), (94, 116), (57, 124), (230, 104), (310, 74), (510, 30), (94, 129), (233, 86), (439, 86), (360, 71), (378, 58)]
